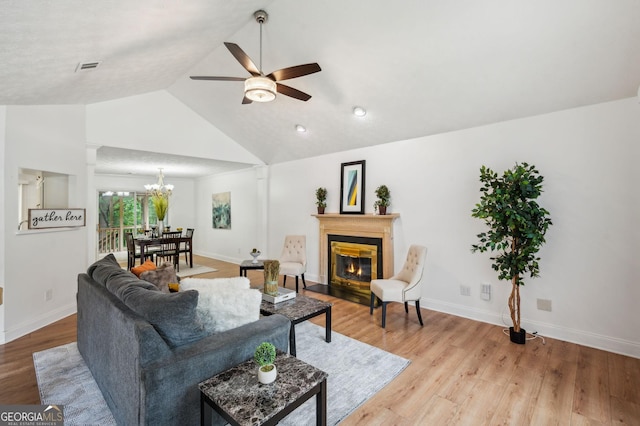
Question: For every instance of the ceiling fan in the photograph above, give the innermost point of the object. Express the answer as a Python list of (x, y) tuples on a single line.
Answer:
[(260, 87)]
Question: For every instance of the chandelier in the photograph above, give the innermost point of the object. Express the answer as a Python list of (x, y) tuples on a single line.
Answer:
[(159, 189)]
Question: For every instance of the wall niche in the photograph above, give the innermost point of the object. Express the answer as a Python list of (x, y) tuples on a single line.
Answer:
[(38, 189)]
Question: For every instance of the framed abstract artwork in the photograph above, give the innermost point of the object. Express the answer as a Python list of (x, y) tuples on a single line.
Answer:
[(221, 210), (352, 187)]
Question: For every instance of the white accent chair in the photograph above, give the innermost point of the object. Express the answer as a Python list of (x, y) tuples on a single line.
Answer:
[(404, 287), (293, 260)]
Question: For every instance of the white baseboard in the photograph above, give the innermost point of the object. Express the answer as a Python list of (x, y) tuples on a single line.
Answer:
[(38, 322), (216, 256), (580, 337)]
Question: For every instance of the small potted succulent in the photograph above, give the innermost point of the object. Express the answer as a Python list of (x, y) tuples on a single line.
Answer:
[(254, 253), (384, 199), (321, 198), (264, 356)]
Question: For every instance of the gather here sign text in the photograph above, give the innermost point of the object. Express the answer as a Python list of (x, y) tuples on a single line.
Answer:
[(56, 218)]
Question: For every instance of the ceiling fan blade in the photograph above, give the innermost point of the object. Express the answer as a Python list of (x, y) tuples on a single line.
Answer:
[(293, 72), (246, 100), (243, 58), (290, 91), (204, 77)]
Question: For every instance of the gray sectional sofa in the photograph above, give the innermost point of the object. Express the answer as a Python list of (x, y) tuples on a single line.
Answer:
[(147, 351)]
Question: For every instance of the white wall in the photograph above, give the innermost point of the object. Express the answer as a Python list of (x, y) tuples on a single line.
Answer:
[(247, 188), (50, 138), (589, 265), (3, 122)]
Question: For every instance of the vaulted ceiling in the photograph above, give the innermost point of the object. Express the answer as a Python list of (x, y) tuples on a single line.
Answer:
[(419, 67)]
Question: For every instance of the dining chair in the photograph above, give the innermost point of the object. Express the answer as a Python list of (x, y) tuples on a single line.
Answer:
[(169, 249), (132, 253), (293, 260), (404, 287), (186, 247)]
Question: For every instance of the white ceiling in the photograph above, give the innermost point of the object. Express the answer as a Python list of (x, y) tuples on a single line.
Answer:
[(419, 67)]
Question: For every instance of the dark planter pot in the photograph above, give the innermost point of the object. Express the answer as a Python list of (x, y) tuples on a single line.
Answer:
[(519, 338), (382, 209), (320, 210)]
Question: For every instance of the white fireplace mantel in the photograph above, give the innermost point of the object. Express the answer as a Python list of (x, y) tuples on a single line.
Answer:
[(357, 225)]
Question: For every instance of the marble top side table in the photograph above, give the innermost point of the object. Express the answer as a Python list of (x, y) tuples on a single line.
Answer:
[(241, 400)]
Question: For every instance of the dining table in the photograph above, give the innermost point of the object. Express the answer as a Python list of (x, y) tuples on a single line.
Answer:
[(145, 241)]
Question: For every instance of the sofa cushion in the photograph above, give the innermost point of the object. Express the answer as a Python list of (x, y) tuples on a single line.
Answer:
[(172, 315), (146, 266), (224, 303), (161, 277), (101, 270), (118, 283)]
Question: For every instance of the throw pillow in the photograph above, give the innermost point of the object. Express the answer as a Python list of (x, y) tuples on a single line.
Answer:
[(146, 266), (224, 303), (231, 282), (161, 277), (172, 315)]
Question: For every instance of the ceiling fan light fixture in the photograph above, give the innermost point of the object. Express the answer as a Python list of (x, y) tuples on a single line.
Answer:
[(260, 89)]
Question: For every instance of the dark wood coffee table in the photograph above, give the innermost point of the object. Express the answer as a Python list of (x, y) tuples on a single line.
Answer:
[(248, 264), (297, 310), (240, 399)]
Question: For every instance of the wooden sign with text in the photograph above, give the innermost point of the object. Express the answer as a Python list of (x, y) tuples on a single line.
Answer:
[(56, 218)]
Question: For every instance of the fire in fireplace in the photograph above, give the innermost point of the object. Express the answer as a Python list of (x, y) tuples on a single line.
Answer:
[(351, 267), (354, 262)]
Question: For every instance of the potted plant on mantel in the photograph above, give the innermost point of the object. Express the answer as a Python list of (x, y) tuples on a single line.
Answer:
[(265, 355), (321, 197), (384, 199), (517, 225)]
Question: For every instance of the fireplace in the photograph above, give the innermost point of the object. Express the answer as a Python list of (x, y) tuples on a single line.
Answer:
[(354, 262), (354, 249)]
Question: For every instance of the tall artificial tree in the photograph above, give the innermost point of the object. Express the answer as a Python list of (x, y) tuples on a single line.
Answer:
[(517, 226)]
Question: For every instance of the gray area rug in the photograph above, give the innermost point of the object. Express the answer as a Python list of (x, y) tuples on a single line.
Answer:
[(64, 377), (356, 372), (185, 271)]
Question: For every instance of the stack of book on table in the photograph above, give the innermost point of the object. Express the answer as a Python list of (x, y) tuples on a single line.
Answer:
[(283, 294)]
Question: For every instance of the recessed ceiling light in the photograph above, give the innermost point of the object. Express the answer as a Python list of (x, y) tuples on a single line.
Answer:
[(359, 111), (300, 128)]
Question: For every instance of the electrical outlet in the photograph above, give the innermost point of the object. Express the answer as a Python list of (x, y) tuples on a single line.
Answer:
[(485, 291), (465, 290), (544, 305), (48, 295)]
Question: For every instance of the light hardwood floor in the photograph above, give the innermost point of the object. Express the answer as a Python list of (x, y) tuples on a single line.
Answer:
[(461, 372)]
